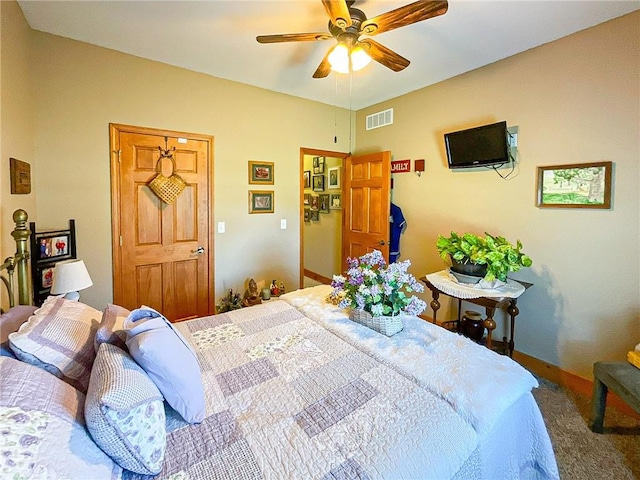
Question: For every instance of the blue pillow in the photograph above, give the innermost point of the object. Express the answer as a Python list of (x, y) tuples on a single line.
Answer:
[(169, 361)]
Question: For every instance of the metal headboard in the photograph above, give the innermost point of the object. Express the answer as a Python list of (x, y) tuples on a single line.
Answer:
[(19, 261)]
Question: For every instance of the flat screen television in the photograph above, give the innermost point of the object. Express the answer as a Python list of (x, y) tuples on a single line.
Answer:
[(478, 147)]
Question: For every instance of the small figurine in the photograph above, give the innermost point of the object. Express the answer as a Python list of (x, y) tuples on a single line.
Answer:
[(275, 291), (251, 297), (281, 288)]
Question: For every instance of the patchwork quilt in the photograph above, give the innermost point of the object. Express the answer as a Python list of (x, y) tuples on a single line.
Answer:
[(287, 398)]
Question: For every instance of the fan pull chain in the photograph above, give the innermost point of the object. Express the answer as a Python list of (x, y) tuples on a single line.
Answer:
[(335, 112), (350, 112)]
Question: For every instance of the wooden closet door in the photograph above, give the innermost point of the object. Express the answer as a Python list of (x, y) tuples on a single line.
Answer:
[(163, 253)]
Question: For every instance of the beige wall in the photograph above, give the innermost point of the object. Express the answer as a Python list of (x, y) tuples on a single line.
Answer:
[(574, 100), (323, 239), (79, 89), (16, 120)]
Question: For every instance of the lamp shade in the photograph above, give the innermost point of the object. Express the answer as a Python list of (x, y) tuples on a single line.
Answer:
[(342, 59), (70, 276)]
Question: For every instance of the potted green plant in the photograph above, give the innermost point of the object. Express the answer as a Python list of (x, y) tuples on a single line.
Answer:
[(494, 256)]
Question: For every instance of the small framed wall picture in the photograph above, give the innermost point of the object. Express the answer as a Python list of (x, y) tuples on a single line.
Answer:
[(324, 203), (307, 215), (581, 185), (315, 202), (318, 183), (334, 178), (314, 215), (260, 173), (20, 173), (307, 179), (261, 201), (335, 203), (318, 165)]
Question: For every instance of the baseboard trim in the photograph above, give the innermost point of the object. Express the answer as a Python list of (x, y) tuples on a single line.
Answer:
[(570, 381), (317, 277)]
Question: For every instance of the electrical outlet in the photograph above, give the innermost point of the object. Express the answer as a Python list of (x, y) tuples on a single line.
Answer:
[(283, 224), (221, 227)]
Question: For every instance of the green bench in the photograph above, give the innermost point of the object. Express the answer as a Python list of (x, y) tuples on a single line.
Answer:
[(623, 379)]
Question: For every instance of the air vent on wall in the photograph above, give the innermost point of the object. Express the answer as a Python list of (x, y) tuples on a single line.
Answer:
[(380, 119)]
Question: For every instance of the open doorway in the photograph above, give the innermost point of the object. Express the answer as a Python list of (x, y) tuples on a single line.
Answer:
[(321, 213)]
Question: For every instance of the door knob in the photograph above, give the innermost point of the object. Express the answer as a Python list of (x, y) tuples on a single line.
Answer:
[(382, 242), (198, 251)]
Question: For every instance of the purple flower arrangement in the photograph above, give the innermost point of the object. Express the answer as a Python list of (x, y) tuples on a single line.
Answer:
[(380, 289)]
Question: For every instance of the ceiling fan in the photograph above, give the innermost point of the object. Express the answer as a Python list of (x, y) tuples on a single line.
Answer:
[(348, 24)]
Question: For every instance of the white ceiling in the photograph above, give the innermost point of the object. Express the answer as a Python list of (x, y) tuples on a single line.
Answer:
[(218, 38)]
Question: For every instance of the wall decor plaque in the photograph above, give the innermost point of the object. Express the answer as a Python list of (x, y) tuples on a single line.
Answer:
[(20, 173)]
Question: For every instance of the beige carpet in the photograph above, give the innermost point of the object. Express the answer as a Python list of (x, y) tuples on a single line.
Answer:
[(580, 453)]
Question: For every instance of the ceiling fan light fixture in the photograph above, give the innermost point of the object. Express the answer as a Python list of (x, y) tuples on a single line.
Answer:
[(339, 58), (359, 59), (340, 62)]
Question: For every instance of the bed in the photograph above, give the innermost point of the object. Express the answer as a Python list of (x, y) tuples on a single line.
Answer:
[(290, 388)]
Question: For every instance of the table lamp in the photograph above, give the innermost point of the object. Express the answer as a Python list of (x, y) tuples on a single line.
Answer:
[(69, 277)]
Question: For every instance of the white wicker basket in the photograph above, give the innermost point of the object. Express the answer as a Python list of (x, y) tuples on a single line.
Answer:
[(386, 325)]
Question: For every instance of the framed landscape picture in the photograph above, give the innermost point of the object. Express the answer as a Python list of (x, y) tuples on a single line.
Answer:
[(579, 185), (260, 173), (261, 201)]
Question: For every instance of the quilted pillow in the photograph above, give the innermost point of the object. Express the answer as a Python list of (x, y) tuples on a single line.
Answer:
[(10, 322), (169, 361), (125, 412), (59, 335), (111, 328), (43, 431)]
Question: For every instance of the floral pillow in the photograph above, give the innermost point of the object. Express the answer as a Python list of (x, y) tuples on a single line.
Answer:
[(111, 327), (43, 433), (124, 411), (59, 337)]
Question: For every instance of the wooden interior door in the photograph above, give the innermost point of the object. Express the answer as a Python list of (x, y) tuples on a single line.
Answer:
[(366, 205), (163, 253)]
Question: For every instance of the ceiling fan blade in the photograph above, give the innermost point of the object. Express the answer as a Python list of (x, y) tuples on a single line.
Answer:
[(338, 11), (384, 55), (324, 69), (400, 17), (293, 37)]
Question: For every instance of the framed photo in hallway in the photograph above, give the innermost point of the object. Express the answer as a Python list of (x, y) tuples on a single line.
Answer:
[(334, 178), (318, 183)]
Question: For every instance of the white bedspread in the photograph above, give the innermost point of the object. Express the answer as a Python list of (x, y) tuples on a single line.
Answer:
[(479, 384)]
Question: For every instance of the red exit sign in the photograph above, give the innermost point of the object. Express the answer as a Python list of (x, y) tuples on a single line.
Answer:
[(400, 166)]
